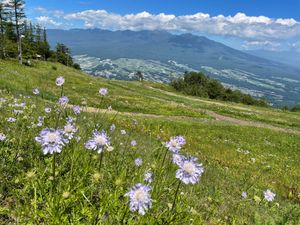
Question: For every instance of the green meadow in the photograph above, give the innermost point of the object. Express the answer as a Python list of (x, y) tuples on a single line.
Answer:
[(241, 148)]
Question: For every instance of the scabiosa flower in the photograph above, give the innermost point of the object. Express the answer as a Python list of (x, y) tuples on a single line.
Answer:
[(175, 143), (133, 143), (36, 91), (98, 141), (112, 127), (244, 194), (189, 171), (69, 130), (103, 91), (51, 140), (48, 110), (76, 109), (40, 121), (11, 119), (63, 101), (181, 140), (269, 195), (138, 162), (17, 111), (2, 137), (177, 159), (140, 198), (148, 176), (60, 81)]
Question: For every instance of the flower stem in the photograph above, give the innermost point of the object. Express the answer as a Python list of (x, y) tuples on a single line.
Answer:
[(176, 193), (53, 166)]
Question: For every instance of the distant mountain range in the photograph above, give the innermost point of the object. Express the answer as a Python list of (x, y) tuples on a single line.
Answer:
[(163, 56)]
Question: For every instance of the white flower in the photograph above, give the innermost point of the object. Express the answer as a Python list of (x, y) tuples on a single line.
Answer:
[(244, 194), (60, 81), (2, 137), (269, 195), (36, 91)]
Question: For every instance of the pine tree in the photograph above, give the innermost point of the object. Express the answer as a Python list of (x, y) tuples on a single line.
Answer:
[(3, 22), (17, 7), (46, 46)]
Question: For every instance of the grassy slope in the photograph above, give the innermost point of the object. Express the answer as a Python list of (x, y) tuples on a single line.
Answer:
[(228, 172)]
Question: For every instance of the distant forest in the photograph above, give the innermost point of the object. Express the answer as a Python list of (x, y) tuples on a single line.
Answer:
[(198, 84), (23, 40)]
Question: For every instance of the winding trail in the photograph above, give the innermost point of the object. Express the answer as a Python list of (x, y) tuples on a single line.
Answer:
[(217, 117)]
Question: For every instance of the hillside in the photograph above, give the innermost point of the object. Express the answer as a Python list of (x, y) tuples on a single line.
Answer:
[(242, 149), (163, 56)]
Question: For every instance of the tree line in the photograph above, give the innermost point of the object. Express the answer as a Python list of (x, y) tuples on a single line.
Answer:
[(23, 40), (198, 84)]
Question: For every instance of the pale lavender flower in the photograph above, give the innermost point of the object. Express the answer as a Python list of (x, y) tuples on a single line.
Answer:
[(269, 195), (40, 121), (51, 140), (11, 119), (60, 81), (48, 110), (133, 143), (148, 177), (173, 145), (244, 194), (16, 111), (103, 91), (98, 141), (70, 119), (177, 159), (2, 137), (112, 127), (189, 171), (78, 138), (69, 130), (76, 109), (63, 101), (140, 198), (36, 91), (138, 162), (123, 132)]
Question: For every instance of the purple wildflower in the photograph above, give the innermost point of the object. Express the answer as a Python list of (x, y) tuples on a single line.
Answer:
[(189, 171), (269, 195), (76, 109), (63, 101), (51, 140), (138, 162), (69, 130), (133, 143), (60, 81), (140, 199), (103, 91), (98, 141), (148, 177)]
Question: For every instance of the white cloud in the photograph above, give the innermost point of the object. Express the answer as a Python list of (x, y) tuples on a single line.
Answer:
[(270, 45), (47, 21), (239, 25)]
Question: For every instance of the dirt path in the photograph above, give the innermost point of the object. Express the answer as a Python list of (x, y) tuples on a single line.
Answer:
[(217, 117)]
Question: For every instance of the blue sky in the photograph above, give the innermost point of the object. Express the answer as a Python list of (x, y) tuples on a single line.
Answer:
[(243, 24)]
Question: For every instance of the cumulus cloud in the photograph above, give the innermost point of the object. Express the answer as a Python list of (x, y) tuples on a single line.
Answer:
[(239, 25), (47, 21)]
